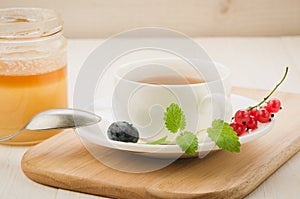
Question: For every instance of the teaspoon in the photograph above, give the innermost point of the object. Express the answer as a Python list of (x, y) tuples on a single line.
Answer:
[(57, 119)]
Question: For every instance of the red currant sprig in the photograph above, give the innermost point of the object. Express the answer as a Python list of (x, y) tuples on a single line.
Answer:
[(248, 119)]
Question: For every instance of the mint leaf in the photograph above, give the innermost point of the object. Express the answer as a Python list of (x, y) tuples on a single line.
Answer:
[(188, 142), (182, 122), (224, 136), (159, 141), (174, 118)]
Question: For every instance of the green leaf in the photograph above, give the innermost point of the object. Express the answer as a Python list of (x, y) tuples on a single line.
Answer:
[(188, 142), (159, 141), (182, 122), (224, 136), (174, 118)]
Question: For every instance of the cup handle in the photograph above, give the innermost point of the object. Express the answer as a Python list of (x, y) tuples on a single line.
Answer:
[(217, 105)]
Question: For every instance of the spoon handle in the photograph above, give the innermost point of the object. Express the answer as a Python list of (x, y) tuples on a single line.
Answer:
[(57, 119), (8, 137)]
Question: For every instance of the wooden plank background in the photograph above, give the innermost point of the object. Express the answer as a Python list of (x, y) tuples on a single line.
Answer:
[(103, 18)]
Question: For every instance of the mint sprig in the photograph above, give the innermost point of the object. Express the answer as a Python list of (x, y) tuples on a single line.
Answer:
[(220, 132)]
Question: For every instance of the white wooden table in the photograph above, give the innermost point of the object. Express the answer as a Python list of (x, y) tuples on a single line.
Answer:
[(255, 62)]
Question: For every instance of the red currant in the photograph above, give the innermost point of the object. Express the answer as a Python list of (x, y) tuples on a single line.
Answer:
[(273, 105), (239, 129), (263, 115), (253, 113), (252, 123), (233, 125), (241, 117)]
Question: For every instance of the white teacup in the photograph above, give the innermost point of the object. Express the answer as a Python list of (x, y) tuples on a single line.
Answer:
[(144, 89)]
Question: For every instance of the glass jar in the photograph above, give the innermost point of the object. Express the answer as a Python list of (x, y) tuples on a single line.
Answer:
[(32, 69)]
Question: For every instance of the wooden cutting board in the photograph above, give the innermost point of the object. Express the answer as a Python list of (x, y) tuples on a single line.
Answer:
[(63, 162)]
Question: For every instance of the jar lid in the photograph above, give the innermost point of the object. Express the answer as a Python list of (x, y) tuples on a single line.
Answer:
[(28, 23)]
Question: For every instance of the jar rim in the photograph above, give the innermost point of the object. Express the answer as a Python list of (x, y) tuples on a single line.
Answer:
[(29, 23)]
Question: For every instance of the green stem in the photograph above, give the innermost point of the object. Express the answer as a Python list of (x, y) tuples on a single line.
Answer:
[(274, 89), (200, 131)]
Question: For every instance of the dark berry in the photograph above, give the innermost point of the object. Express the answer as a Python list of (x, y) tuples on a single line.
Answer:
[(123, 131)]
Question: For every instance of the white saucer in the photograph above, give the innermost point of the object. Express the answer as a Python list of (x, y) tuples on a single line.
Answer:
[(166, 151)]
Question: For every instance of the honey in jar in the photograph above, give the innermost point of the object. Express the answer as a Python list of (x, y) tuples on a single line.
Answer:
[(32, 70)]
